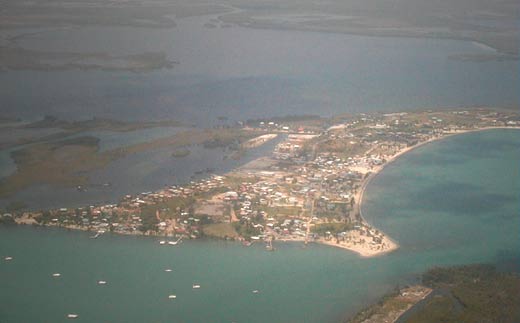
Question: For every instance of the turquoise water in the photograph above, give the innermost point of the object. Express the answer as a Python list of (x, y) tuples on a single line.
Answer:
[(457, 200), (450, 202)]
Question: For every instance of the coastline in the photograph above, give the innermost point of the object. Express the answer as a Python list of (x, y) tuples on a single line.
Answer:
[(392, 306), (364, 239), (394, 245), (391, 159), (454, 293)]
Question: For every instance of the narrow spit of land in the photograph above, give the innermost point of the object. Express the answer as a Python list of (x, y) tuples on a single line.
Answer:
[(309, 190)]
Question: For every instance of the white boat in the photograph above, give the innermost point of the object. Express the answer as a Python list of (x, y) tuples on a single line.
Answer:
[(56, 275), (196, 286), (8, 258), (172, 296), (256, 291), (102, 282), (174, 243), (168, 270), (72, 316), (269, 246), (162, 242)]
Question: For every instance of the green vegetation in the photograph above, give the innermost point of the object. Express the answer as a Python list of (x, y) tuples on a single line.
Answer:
[(6, 219), (98, 124), (59, 163), (181, 152), (246, 230), (235, 181), (473, 293), (280, 211), (343, 147), (168, 208), (476, 293), (220, 230), (333, 228), (68, 162), (289, 118), (389, 302), (228, 138)]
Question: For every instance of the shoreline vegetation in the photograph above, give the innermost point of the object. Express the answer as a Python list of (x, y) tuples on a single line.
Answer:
[(310, 190), (16, 58), (462, 294), (490, 25), (67, 157)]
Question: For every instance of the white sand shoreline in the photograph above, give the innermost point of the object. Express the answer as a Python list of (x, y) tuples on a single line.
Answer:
[(378, 170)]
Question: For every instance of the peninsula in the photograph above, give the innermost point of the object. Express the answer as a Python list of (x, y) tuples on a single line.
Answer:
[(310, 189)]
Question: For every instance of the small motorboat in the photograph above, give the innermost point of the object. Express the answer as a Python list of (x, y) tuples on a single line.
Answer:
[(195, 286), (8, 258), (102, 282), (72, 316), (256, 291), (168, 270), (56, 275), (172, 296), (162, 242)]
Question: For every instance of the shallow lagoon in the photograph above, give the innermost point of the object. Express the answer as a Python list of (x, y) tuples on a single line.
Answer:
[(243, 73), (139, 172)]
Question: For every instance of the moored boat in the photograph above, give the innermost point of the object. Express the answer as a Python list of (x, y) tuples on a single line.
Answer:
[(174, 243)]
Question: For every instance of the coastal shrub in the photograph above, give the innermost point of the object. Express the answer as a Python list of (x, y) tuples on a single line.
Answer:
[(333, 228)]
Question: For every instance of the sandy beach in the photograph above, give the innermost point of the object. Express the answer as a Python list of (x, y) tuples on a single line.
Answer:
[(367, 250), (364, 239), (361, 240)]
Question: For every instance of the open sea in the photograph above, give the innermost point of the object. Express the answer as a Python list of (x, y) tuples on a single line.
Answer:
[(454, 201)]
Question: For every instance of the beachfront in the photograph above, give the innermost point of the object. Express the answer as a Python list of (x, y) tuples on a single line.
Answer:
[(310, 190)]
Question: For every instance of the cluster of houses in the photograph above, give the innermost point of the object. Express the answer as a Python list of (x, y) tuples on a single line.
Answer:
[(314, 186)]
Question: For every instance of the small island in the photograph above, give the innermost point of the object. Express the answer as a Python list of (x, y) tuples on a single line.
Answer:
[(181, 152), (310, 189)]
